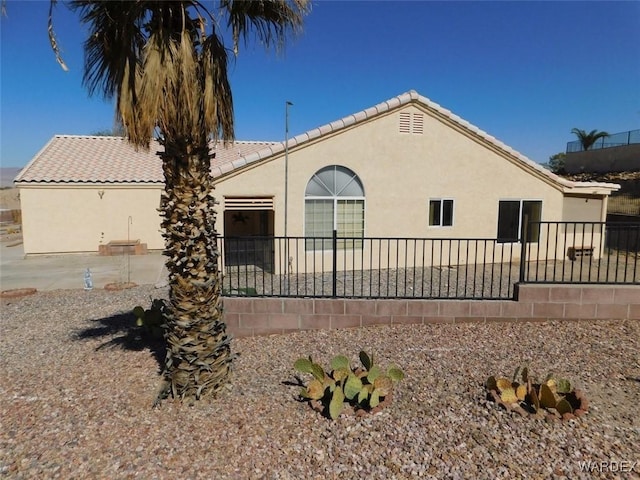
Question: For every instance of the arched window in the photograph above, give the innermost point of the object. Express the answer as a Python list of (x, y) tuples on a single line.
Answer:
[(334, 200)]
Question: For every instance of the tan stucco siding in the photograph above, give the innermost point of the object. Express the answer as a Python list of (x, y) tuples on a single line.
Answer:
[(582, 209), (400, 173), (76, 219)]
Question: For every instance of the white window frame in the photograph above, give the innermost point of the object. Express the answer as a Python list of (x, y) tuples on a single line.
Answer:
[(441, 200), (336, 198)]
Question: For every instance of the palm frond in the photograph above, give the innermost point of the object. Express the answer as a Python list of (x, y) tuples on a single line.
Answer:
[(268, 20), (218, 99), (587, 140), (166, 63), (52, 35)]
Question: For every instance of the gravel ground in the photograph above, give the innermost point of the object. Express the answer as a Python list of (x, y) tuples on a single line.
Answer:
[(76, 391)]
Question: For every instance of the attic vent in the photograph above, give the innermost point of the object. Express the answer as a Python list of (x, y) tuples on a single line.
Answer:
[(418, 124), (411, 123), (248, 203), (405, 122)]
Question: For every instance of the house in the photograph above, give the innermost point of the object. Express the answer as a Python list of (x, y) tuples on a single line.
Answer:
[(404, 168)]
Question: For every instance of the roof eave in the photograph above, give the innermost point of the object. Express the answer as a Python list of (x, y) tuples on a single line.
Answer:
[(590, 188), (88, 183)]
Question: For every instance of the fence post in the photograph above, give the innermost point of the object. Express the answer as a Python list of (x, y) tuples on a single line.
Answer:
[(523, 249), (334, 275)]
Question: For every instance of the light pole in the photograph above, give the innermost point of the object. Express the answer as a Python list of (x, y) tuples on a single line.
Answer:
[(286, 187), (286, 163)]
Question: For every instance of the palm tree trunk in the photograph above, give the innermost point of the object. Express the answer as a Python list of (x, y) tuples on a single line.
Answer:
[(199, 355)]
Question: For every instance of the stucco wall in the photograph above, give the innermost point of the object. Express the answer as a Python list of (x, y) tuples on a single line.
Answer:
[(582, 209), (400, 173), (77, 219), (614, 159)]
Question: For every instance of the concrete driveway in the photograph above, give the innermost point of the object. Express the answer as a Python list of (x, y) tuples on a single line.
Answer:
[(53, 272)]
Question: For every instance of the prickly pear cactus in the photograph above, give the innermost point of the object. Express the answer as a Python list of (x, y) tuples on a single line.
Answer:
[(554, 398), (151, 320), (363, 389)]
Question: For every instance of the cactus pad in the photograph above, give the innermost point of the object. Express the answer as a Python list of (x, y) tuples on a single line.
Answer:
[(547, 398), (508, 395), (383, 385), (563, 385), (491, 383), (315, 390), (340, 363), (337, 403), (533, 399), (367, 361), (340, 374), (395, 374), (374, 373), (503, 384), (521, 392), (352, 387), (563, 406), (374, 401)]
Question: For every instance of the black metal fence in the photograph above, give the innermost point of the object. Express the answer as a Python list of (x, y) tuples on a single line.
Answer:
[(624, 204), (614, 140), (583, 252), (370, 267), (451, 268)]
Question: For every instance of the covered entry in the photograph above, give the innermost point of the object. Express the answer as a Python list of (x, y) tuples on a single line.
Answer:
[(248, 232)]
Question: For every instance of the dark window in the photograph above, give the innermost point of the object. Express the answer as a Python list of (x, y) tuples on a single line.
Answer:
[(440, 213), (511, 220)]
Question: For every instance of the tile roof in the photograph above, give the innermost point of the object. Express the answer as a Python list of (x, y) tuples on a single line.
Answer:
[(111, 159), (102, 159)]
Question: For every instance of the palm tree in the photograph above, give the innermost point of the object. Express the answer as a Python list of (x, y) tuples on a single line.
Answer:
[(165, 63), (588, 139)]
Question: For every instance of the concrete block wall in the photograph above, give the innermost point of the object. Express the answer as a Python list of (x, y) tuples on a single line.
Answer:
[(264, 316), (614, 159)]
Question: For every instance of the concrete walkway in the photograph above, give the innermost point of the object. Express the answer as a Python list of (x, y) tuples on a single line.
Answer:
[(53, 272)]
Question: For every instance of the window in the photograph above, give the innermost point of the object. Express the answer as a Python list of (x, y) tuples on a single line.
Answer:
[(334, 200), (440, 213), (511, 216)]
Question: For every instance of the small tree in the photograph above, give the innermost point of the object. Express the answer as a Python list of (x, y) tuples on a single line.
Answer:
[(556, 163), (116, 131), (588, 139)]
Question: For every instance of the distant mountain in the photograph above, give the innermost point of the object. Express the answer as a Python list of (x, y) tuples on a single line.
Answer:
[(7, 174)]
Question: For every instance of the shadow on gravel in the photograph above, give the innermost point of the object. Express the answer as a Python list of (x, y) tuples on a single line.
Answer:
[(121, 331)]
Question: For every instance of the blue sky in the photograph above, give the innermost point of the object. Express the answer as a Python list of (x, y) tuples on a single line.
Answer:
[(525, 72)]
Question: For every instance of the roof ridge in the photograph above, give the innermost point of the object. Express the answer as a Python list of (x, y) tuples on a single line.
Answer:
[(251, 141), (110, 137)]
